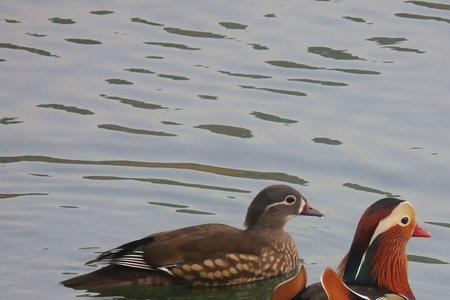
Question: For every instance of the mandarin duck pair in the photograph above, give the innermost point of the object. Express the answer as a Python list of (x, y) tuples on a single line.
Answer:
[(221, 255)]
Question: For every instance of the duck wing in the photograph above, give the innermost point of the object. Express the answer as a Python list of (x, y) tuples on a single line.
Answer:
[(165, 250)]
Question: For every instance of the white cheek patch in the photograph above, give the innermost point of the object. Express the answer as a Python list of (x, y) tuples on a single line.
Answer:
[(404, 208)]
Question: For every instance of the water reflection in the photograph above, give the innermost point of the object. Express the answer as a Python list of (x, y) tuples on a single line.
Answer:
[(383, 40), (294, 65), (258, 46), (356, 71), (321, 82), (233, 25), (275, 176), (403, 49), (261, 290), (172, 45), (62, 21), (134, 102), (71, 109), (5, 196), (168, 204), (431, 4), (28, 49), (173, 77), (291, 64), (272, 118), (388, 42), (154, 57), (170, 123), (333, 53), (193, 33), (39, 175), (83, 41), (35, 34), (422, 17), (355, 19), (137, 70), (193, 212), (134, 130), (181, 208), (208, 97), (367, 189), (327, 141), (10, 120), (12, 21), (278, 91), (101, 12), (227, 130), (252, 76), (169, 182), (441, 224), (144, 21), (425, 259), (118, 81)]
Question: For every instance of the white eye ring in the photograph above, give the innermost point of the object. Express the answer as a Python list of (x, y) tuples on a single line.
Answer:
[(290, 199), (404, 221)]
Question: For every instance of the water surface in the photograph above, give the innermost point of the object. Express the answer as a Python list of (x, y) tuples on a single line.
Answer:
[(119, 119)]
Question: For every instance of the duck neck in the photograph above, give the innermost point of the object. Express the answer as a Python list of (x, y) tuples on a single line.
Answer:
[(384, 265), (269, 226)]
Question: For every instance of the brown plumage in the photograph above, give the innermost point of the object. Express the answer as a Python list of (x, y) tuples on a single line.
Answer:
[(208, 254), (287, 289), (335, 288)]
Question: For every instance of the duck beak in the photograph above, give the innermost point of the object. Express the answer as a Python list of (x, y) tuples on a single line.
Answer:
[(309, 211), (420, 232)]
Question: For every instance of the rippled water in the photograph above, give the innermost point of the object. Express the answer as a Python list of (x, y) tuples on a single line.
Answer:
[(119, 119)]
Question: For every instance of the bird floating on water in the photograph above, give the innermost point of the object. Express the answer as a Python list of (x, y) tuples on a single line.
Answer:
[(208, 254), (376, 265)]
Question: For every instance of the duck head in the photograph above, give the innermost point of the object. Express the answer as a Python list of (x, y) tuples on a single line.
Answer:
[(377, 256), (275, 205)]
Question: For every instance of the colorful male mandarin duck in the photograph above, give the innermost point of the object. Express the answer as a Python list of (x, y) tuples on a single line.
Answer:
[(376, 265), (208, 254)]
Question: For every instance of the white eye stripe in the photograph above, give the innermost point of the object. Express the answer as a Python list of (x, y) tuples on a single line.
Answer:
[(392, 219), (284, 202)]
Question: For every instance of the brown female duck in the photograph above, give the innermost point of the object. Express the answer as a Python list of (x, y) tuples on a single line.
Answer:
[(208, 254)]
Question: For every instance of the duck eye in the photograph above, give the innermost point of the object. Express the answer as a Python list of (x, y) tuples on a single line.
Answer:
[(290, 199), (404, 220)]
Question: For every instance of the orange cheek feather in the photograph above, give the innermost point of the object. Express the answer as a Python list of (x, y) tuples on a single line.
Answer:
[(291, 287), (334, 286)]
